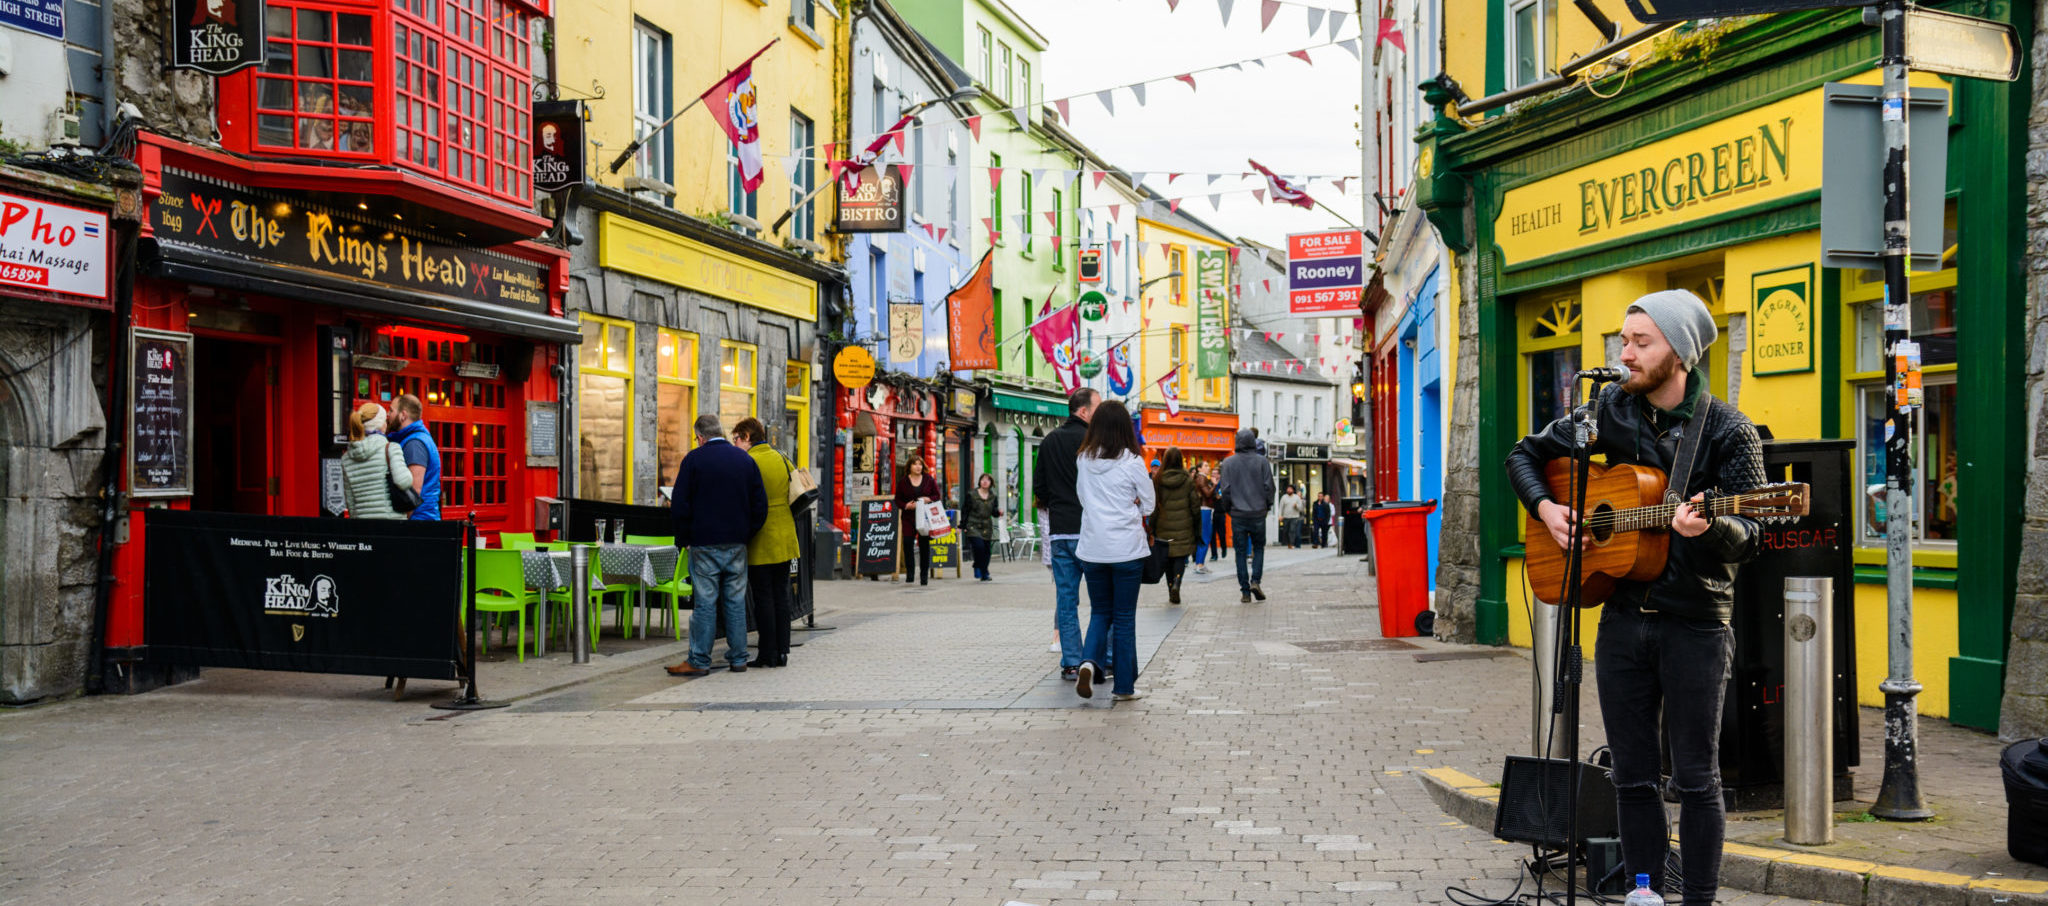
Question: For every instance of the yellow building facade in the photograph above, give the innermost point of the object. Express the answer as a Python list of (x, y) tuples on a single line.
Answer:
[(1171, 329)]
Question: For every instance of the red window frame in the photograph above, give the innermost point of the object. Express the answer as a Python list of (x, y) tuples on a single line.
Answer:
[(448, 91), (474, 421)]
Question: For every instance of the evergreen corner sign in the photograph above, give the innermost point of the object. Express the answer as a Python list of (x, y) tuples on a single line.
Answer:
[(216, 37)]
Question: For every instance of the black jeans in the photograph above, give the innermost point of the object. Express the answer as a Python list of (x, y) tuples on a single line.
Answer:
[(917, 550), (1645, 661), (980, 546), (1176, 567), (769, 583)]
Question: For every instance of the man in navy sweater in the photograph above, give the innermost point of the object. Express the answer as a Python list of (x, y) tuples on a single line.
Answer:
[(719, 504)]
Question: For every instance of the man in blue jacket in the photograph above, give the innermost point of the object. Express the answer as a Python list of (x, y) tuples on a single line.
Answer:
[(719, 503), (422, 455)]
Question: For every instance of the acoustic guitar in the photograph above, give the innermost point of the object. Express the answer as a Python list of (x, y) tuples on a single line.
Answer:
[(1629, 524)]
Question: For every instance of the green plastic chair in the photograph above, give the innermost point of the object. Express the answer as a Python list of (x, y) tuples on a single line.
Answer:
[(501, 588), (669, 540), (677, 589), (515, 540)]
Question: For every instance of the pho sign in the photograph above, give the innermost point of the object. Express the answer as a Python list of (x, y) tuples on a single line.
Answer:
[(875, 205)]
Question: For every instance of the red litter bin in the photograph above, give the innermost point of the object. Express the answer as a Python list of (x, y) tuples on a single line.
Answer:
[(1400, 543)]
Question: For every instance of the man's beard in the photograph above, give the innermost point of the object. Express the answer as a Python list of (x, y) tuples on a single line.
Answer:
[(1650, 379)]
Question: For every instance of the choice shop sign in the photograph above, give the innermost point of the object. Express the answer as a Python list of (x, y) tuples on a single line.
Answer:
[(198, 213)]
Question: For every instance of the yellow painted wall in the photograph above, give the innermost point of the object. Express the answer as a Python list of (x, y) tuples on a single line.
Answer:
[(1162, 314), (593, 47)]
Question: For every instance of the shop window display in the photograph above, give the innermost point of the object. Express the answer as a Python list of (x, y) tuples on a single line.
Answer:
[(604, 410), (738, 381), (1934, 464), (675, 400)]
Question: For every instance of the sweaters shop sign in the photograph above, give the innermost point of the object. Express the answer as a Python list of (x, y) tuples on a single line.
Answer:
[(216, 37), (362, 596), (196, 212)]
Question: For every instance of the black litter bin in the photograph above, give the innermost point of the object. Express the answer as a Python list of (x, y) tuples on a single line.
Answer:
[(2025, 767), (1353, 525)]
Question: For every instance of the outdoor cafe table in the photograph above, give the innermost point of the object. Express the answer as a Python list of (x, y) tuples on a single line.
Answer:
[(647, 564)]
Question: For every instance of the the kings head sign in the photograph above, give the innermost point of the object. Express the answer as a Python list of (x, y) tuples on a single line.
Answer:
[(557, 145), (216, 36)]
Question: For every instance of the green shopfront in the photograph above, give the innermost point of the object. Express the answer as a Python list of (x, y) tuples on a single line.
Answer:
[(1013, 424), (1700, 169)]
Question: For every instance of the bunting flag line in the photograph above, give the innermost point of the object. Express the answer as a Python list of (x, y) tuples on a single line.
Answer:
[(1223, 6), (1108, 104), (1099, 174), (1061, 106), (1301, 55), (1138, 91), (1336, 22), (1315, 19), (1267, 10), (1189, 78), (1350, 47), (974, 126)]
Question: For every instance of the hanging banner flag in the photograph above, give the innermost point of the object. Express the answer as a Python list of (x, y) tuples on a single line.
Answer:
[(1282, 189), (734, 104), (1121, 377), (1212, 343), (1055, 335), (1325, 272), (1169, 389), (970, 320), (557, 145)]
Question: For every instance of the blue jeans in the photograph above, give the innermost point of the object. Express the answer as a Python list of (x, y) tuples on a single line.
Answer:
[(1248, 535), (1644, 661), (1113, 618), (1066, 601), (718, 575), (1202, 537)]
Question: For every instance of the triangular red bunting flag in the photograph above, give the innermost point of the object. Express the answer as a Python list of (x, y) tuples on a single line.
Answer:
[(903, 171), (1172, 5), (1233, 254), (1267, 10), (1062, 105), (942, 235), (1259, 194), (1268, 284), (1052, 218), (931, 231), (995, 179), (1116, 246), (1390, 33), (1340, 185), (1301, 55), (974, 126), (1173, 205), (1099, 174), (1187, 77), (990, 223), (1115, 211), (898, 136), (1170, 177)]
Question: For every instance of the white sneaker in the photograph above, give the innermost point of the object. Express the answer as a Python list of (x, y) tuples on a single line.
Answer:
[(1130, 696)]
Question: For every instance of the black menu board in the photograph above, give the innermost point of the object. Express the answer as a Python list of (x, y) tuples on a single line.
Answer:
[(875, 537), (160, 435)]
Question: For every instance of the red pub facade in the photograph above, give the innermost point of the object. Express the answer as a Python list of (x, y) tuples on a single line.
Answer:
[(365, 228)]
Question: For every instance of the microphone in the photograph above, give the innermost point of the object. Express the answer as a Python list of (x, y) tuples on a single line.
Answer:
[(1604, 375)]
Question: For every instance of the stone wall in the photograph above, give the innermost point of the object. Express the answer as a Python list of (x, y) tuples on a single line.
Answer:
[(178, 102), (1459, 558), (2025, 710), (52, 443)]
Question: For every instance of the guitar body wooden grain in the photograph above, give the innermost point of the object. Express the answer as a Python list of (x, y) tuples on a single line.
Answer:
[(1618, 556)]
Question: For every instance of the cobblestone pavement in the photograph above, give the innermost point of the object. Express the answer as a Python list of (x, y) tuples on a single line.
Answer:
[(923, 752)]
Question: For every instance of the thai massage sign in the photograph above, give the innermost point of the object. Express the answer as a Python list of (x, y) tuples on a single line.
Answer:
[(1753, 158), (199, 213), (1781, 321), (1212, 347), (216, 37)]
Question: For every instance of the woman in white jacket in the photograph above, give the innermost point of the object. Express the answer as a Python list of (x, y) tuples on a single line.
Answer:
[(1116, 496), (371, 467)]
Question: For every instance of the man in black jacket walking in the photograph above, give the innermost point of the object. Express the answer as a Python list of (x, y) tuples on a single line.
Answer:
[(1052, 485), (1664, 644)]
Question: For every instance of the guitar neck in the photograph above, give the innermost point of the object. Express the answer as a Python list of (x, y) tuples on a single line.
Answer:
[(1636, 519)]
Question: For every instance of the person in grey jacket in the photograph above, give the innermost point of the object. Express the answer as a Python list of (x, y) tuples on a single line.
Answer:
[(1246, 489), (371, 467)]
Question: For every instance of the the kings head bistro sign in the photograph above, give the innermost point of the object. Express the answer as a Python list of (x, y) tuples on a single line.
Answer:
[(216, 36)]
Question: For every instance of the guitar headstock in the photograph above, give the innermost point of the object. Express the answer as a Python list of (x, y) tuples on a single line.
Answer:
[(1774, 502)]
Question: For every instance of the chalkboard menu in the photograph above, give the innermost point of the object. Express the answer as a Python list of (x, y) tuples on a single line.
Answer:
[(160, 434), (875, 537)]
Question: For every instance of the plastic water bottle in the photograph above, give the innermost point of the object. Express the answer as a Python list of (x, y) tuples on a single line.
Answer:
[(1643, 895)]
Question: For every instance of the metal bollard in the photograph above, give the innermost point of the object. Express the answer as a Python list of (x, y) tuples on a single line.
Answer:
[(1809, 710), (579, 604)]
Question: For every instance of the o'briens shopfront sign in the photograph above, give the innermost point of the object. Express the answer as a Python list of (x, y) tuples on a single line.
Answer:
[(1753, 158), (629, 245)]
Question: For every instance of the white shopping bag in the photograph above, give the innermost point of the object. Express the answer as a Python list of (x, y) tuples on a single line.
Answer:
[(931, 519)]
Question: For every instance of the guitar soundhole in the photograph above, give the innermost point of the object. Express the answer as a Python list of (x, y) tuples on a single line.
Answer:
[(1601, 525)]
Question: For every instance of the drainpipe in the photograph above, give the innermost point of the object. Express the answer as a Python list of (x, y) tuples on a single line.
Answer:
[(112, 503)]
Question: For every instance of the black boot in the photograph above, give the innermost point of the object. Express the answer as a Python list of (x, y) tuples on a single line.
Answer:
[(1173, 590)]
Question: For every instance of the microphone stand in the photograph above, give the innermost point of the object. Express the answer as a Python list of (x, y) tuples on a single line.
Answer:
[(1571, 669)]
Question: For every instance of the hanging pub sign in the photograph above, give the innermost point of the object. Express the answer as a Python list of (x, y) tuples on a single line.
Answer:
[(873, 206), (200, 213), (1091, 265), (1094, 306), (160, 433), (557, 145), (216, 37)]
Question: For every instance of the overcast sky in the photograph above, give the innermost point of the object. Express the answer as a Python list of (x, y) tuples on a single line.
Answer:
[(1293, 117)]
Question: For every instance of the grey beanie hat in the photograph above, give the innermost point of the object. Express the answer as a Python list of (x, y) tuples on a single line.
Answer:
[(1684, 319)]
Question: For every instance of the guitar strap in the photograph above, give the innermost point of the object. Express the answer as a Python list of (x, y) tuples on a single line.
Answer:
[(1688, 450)]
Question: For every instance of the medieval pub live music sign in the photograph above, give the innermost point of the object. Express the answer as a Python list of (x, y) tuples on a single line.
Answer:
[(216, 37)]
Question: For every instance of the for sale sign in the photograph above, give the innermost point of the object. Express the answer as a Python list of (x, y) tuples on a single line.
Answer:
[(1325, 272), (52, 248)]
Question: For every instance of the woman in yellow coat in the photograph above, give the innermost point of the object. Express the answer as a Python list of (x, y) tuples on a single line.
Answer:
[(771, 549)]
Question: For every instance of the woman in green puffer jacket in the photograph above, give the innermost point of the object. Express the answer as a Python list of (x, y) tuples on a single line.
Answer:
[(1177, 518), (978, 515)]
